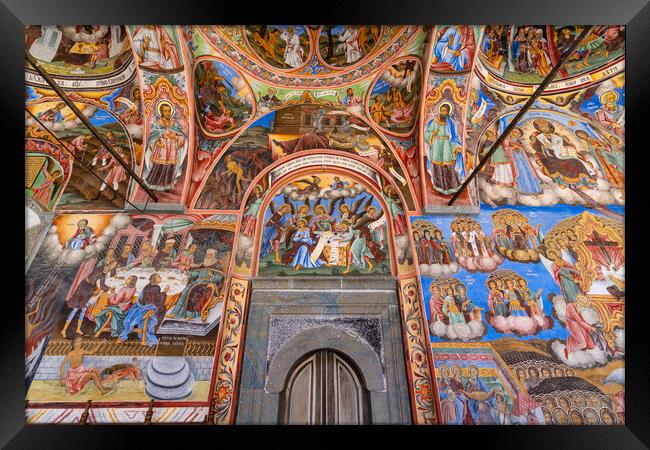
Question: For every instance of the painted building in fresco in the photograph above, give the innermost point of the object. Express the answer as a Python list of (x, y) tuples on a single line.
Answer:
[(301, 264)]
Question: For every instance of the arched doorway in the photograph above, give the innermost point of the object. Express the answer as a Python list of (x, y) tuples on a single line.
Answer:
[(324, 388), (305, 296)]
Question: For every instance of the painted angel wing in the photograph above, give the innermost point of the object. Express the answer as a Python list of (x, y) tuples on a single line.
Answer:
[(356, 205), (333, 205), (538, 300), (368, 202), (288, 201)]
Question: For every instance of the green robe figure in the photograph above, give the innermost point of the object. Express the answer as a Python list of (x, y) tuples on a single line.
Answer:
[(197, 292), (445, 160)]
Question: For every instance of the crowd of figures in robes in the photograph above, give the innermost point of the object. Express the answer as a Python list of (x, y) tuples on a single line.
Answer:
[(335, 231), (510, 296), (514, 237), (467, 398), (450, 304), (472, 247), (129, 293), (509, 164), (576, 163), (431, 247)]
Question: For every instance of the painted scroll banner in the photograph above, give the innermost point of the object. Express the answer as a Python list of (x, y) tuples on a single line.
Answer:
[(119, 79), (323, 160), (578, 81)]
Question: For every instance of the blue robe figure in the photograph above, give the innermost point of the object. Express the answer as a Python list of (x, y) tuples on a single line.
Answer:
[(448, 49), (272, 231), (481, 416), (84, 236), (151, 298), (135, 319), (526, 178), (302, 259)]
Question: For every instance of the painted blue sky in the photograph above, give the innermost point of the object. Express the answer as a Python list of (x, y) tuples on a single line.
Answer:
[(536, 274), (298, 29), (265, 121), (592, 105), (228, 73), (380, 87), (102, 117)]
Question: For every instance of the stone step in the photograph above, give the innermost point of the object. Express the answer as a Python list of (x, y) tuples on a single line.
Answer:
[(168, 378), (169, 381), (177, 393), (168, 365)]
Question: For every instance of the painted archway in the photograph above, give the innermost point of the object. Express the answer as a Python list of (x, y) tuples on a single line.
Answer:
[(267, 188), (285, 132)]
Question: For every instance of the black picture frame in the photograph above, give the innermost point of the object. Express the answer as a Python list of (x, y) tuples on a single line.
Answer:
[(15, 14)]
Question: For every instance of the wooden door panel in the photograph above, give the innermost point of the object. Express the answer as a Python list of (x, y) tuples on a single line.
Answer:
[(302, 386), (324, 389), (348, 393)]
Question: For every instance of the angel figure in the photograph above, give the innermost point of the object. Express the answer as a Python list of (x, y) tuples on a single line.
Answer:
[(313, 185)]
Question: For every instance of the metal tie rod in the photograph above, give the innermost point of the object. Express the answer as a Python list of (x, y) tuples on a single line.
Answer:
[(65, 147), (50, 81)]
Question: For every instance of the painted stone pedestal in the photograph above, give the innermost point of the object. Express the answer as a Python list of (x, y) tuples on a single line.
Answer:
[(168, 378)]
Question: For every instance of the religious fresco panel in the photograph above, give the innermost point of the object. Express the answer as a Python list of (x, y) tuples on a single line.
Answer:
[(322, 225), (291, 153), (108, 295)]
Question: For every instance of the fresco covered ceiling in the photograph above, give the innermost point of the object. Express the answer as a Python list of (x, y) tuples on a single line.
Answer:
[(264, 144)]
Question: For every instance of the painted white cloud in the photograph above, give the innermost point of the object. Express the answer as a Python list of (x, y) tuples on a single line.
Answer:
[(523, 326), (458, 331), (480, 263), (616, 376), (580, 358), (52, 247), (552, 194), (437, 270)]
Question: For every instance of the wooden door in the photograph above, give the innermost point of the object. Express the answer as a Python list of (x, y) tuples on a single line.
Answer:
[(324, 388)]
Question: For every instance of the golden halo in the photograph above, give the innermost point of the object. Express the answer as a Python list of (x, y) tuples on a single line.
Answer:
[(582, 300), (606, 94), (164, 102), (451, 107)]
